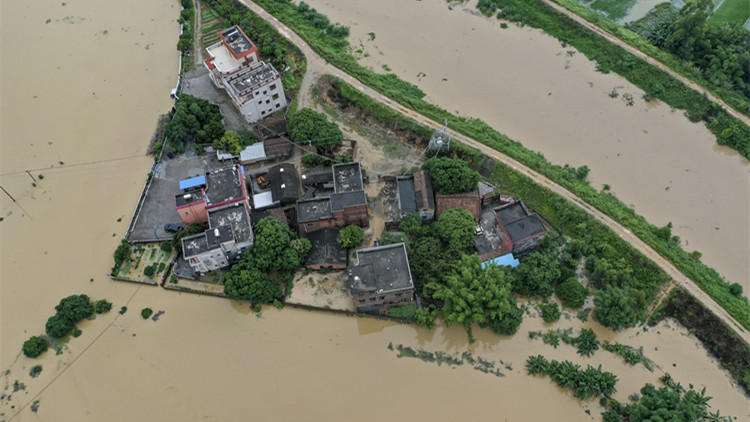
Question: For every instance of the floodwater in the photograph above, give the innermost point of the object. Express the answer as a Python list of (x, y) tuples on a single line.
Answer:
[(550, 98), (81, 97)]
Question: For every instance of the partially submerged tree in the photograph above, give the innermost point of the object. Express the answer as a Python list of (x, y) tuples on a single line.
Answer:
[(615, 308), (35, 346)]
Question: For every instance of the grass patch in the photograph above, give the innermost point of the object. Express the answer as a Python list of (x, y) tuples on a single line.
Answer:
[(731, 11)]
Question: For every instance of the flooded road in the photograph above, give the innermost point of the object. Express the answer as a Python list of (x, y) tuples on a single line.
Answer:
[(551, 99), (207, 358)]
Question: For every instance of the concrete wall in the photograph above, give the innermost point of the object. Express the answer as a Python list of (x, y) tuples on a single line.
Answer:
[(366, 300)]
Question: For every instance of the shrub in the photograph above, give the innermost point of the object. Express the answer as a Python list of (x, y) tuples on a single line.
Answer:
[(735, 289), (146, 312), (550, 311), (451, 176), (77, 332), (34, 347), (508, 324), (149, 271), (123, 310), (36, 369), (572, 293), (166, 246), (102, 306), (615, 308)]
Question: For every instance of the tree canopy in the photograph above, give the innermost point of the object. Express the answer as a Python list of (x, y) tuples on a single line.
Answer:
[(192, 116), (572, 293), (615, 308), (451, 176), (474, 295), (75, 308), (351, 237), (309, 125), (275, 254), (455, 228), (538, 273), (122, 253), (35, 346)]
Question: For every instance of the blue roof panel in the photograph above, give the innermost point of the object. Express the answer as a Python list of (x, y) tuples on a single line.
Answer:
[(193, 182), (502, 260)]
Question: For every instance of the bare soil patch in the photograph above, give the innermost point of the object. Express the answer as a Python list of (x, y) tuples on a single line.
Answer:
[(327, 291)]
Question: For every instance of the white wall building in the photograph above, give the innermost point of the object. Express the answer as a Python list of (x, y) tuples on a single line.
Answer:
[(254, 86)]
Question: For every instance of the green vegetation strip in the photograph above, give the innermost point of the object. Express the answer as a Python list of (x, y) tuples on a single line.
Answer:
[(477, 362), (732, 11), (736, 100), (571, 219), (335, 51)]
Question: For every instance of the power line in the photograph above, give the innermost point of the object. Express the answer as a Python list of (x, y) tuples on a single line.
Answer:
[(65, 166)]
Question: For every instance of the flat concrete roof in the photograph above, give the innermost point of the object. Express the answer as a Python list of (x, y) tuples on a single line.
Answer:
[(347, 177), (263, 200), (254, 152), (224, 185), (235, 217), (237, 40), (524, 228), (326, 249), (223, 58), (189, 198), (254, 77), (511, 212), (406, 195), (381, 269), (314, 209), (339, 201), (206, 241)]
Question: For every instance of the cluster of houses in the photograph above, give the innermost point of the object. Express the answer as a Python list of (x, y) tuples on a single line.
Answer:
[(321, 201)]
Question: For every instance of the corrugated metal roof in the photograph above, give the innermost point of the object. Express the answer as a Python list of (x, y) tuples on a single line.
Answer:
[(255, 151), (193, 182)]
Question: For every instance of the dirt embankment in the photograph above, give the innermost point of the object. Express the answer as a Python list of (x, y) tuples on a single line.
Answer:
[(719, 340)]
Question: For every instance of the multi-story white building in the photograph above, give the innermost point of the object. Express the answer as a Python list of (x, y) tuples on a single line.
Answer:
[(254, 86)]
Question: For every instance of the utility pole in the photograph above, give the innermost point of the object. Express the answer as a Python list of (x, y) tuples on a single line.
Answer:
[(6, 192)]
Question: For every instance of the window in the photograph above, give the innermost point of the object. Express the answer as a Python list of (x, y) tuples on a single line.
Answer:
[(361, 301), (278, 105), (268, 101), (399, 294), (265, 92), (382, 298), (275, 97), (273, 86), (262, 113), (372, 299), (310, 225)]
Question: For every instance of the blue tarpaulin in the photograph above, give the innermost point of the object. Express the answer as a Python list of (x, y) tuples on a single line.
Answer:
[(502, 260), (193, 182)]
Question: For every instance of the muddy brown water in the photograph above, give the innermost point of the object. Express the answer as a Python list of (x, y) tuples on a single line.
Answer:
[(208, 358), (527, 85)]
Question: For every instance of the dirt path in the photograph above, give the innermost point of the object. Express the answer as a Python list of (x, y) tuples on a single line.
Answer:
[(638, 53), (317, 66)]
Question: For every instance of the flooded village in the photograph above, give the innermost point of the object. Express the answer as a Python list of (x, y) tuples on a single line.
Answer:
[(188, 217)]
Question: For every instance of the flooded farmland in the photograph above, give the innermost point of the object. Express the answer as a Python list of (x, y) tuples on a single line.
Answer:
[(90, 100), (550, 98)]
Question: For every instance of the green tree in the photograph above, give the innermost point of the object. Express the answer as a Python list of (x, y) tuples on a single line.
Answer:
[(508, 324), (455, 228), (411, 224), (58, 326), (451, 176), (276, 253), (308, 125), (429, 263), (146, 312), (166, 246), (572, 293), (75, 308), (474, 295), (615, 308), (230, 143), (102, 306), (351, 237), (34, 346), (122, 253), (537, 274)]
